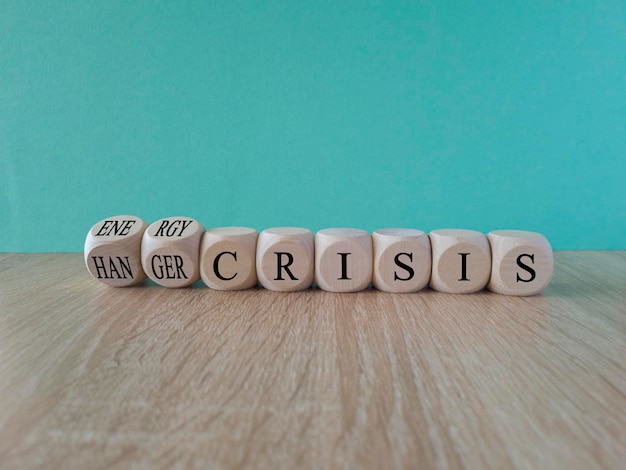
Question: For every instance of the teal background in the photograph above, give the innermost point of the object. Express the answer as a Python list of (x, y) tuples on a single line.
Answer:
[(435, 114)]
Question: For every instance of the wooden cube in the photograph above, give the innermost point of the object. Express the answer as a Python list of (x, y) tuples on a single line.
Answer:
[(285, 259), (228, 258), (522, 262), (461, 261), (113, 250), (170, 251), (402, 260), (343, 259)]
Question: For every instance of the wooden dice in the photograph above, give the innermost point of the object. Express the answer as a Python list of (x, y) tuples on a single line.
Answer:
[(522, 262), (402, 260), (177, 252), (343, 259), (461, 261), (285, 259), (170, 251), (228, 258), (113, 250)]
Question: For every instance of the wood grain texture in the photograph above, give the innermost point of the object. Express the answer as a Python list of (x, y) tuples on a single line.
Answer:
[(96, 377)]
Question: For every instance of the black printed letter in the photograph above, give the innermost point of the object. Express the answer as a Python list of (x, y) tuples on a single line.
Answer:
[(284, 266), (406, 267), (464, 267), (525, 267), (216, 269), (344, 266)]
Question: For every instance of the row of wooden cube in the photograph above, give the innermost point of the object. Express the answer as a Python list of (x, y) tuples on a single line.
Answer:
[(178, 251)]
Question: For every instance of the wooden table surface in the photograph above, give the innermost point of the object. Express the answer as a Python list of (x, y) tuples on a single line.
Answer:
[(98, 377)]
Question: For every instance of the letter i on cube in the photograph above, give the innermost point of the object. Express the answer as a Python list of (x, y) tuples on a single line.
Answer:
[(113, 250), (170, 251), (343, 259), (461, 261)]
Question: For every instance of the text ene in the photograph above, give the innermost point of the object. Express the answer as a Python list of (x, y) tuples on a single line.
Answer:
[(115, 227)]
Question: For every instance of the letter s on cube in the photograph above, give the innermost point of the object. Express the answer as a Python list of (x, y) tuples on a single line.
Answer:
[(402, 260), (522, 262)]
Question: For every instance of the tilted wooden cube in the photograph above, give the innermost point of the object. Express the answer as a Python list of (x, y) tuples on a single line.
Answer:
[(402, 260), (285, 259), (461, 261), (343, 259), (522, 262), (228, 258), (170, 251), (113, 250)]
